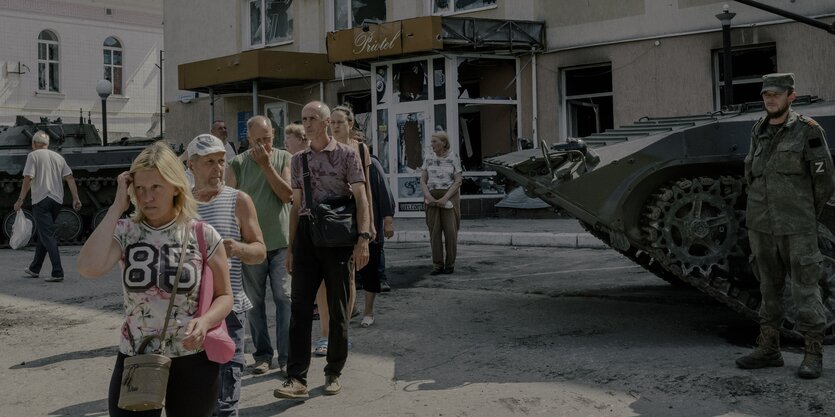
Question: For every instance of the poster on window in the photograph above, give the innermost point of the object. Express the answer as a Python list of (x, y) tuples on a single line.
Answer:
[(409, 187), (410, 141), (380, 81)]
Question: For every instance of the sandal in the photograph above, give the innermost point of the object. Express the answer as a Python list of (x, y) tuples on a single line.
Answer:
[(321, 348)]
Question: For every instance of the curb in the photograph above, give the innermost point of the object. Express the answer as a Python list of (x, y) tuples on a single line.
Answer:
[(553, 240)]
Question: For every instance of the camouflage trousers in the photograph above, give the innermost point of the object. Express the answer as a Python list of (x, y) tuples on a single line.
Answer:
[(796, 257)]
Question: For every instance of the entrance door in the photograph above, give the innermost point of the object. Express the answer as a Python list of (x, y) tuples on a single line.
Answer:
[(412, 128)]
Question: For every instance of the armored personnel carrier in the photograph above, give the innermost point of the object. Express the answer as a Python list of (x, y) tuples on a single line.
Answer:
[(670, 195), (95, 167)]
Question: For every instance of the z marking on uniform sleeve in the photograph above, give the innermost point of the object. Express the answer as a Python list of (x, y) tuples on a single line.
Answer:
[(819, 167)]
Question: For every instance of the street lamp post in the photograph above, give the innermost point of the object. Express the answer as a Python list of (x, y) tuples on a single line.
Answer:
[(104, 88), (727, 70)]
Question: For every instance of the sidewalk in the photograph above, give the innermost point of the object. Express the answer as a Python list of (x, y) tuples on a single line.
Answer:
[(559, 233)]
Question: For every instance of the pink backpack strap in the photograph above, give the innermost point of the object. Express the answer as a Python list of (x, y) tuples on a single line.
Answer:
[(206, 283)]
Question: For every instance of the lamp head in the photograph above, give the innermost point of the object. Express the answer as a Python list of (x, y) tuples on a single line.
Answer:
[(104, 88)]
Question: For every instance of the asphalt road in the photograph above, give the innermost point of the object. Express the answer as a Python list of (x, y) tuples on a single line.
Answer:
[(515, 331)]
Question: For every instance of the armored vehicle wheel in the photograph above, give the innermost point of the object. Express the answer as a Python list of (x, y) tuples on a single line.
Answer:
[(8, 223), (694, 225), (69, 225), (98, 216)]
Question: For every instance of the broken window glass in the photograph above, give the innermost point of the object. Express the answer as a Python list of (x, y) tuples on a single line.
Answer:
[(484, 78), (410, 141), (410, 81)]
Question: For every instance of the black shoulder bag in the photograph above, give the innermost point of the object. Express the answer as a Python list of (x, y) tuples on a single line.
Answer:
[(333, 221)]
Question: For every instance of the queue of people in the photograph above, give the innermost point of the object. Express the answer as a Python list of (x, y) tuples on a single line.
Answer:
[(254, 214), (255, 217)]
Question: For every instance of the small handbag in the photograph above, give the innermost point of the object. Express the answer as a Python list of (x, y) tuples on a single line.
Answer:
[(333, 221), (145, 375), (218, 345)]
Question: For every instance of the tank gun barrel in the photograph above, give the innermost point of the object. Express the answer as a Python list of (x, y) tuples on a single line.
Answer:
[(794, 16)]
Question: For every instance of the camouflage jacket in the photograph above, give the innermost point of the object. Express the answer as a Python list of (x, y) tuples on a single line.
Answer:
[(790, 176)]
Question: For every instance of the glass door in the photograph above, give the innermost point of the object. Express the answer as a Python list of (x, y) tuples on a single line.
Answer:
[(411, 129)]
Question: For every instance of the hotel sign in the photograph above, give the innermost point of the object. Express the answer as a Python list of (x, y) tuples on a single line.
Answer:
[(385, 39)]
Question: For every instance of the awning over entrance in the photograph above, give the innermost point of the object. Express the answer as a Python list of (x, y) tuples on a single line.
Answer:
[(236, 73), (428, 33)]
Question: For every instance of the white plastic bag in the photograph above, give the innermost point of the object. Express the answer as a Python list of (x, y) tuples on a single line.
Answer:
[(21, 231)]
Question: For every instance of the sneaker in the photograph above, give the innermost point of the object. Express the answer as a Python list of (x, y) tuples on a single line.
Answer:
[(332, 385), (384, 286), (291, 388), (260, 367), (53, 279), (30, 274), (449, 270), (321, 348), (367, 321), (437, 271)]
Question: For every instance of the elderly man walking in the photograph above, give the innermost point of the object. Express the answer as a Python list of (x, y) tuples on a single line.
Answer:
[(232, 214), (334, 172), (263, 172), (43, 173)]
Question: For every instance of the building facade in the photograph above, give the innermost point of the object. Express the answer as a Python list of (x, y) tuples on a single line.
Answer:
[(498, 75), (54, 52)]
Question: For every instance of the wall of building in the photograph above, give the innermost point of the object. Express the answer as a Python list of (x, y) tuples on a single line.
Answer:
[(82, 27), (576, 23), (226, 37), (675, 76)]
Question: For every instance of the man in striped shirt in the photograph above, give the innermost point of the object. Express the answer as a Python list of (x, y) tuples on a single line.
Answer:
[(232, 214)]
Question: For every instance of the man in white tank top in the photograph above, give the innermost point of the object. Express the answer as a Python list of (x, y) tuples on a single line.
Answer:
[(44, 173), (232, 213)]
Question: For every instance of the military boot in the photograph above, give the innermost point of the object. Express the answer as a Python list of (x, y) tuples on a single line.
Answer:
[(766, 354), (813, 356)]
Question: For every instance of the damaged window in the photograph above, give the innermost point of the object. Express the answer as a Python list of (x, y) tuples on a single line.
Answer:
[(748, 65), (351, 13), (485, 131), (269, 22), (410, 143), (483, 78), (410, 81), (588, 100), (451, 6)]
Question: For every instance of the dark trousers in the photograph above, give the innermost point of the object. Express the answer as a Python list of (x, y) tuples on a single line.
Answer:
[(192, 388), (45, 213), (311, 265), (370, 276)]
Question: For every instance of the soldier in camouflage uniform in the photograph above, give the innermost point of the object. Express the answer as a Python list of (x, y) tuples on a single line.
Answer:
[(789, 174)]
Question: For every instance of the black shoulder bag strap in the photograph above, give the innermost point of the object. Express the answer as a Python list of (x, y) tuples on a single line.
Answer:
[(362, 158), (308, 189)]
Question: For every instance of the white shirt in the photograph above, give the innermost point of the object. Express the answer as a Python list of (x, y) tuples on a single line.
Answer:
[(230, 153), (47, 169)]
